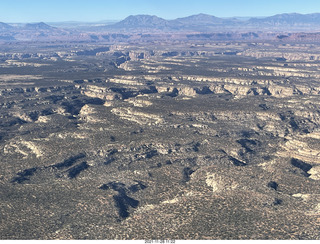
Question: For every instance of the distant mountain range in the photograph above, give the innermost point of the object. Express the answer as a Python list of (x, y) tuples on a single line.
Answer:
[(35, 26), (38, 26), (144, 21), (205, 22), (288, 19), (199, 22), (194, 27), (4, 26)]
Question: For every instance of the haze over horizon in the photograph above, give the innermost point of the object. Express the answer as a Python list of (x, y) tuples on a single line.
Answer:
[(17, 11)]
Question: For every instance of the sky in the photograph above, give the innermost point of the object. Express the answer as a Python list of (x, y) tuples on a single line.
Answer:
[(18, 11)]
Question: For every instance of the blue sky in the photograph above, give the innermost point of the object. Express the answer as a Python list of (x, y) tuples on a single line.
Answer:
[(96, 10)]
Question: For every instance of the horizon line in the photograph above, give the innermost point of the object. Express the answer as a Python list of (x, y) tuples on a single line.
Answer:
[(115, 20)]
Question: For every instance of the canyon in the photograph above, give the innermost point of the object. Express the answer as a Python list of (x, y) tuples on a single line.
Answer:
[(186, 138)]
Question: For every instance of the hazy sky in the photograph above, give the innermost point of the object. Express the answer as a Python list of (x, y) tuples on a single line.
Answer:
[(96, 10)]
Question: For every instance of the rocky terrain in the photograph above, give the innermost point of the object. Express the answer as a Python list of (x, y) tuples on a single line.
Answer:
[(176, 140)]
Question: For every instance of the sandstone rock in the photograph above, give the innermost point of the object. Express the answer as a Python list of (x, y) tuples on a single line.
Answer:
[(315, 173), (137, 116)]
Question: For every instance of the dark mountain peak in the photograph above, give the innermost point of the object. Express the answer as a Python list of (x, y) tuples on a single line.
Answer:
[(200, 17), (38, 26), (142, 21), (200, 20), (142, 17)]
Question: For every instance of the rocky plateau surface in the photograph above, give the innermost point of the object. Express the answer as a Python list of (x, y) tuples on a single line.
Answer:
[(215, 140)]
